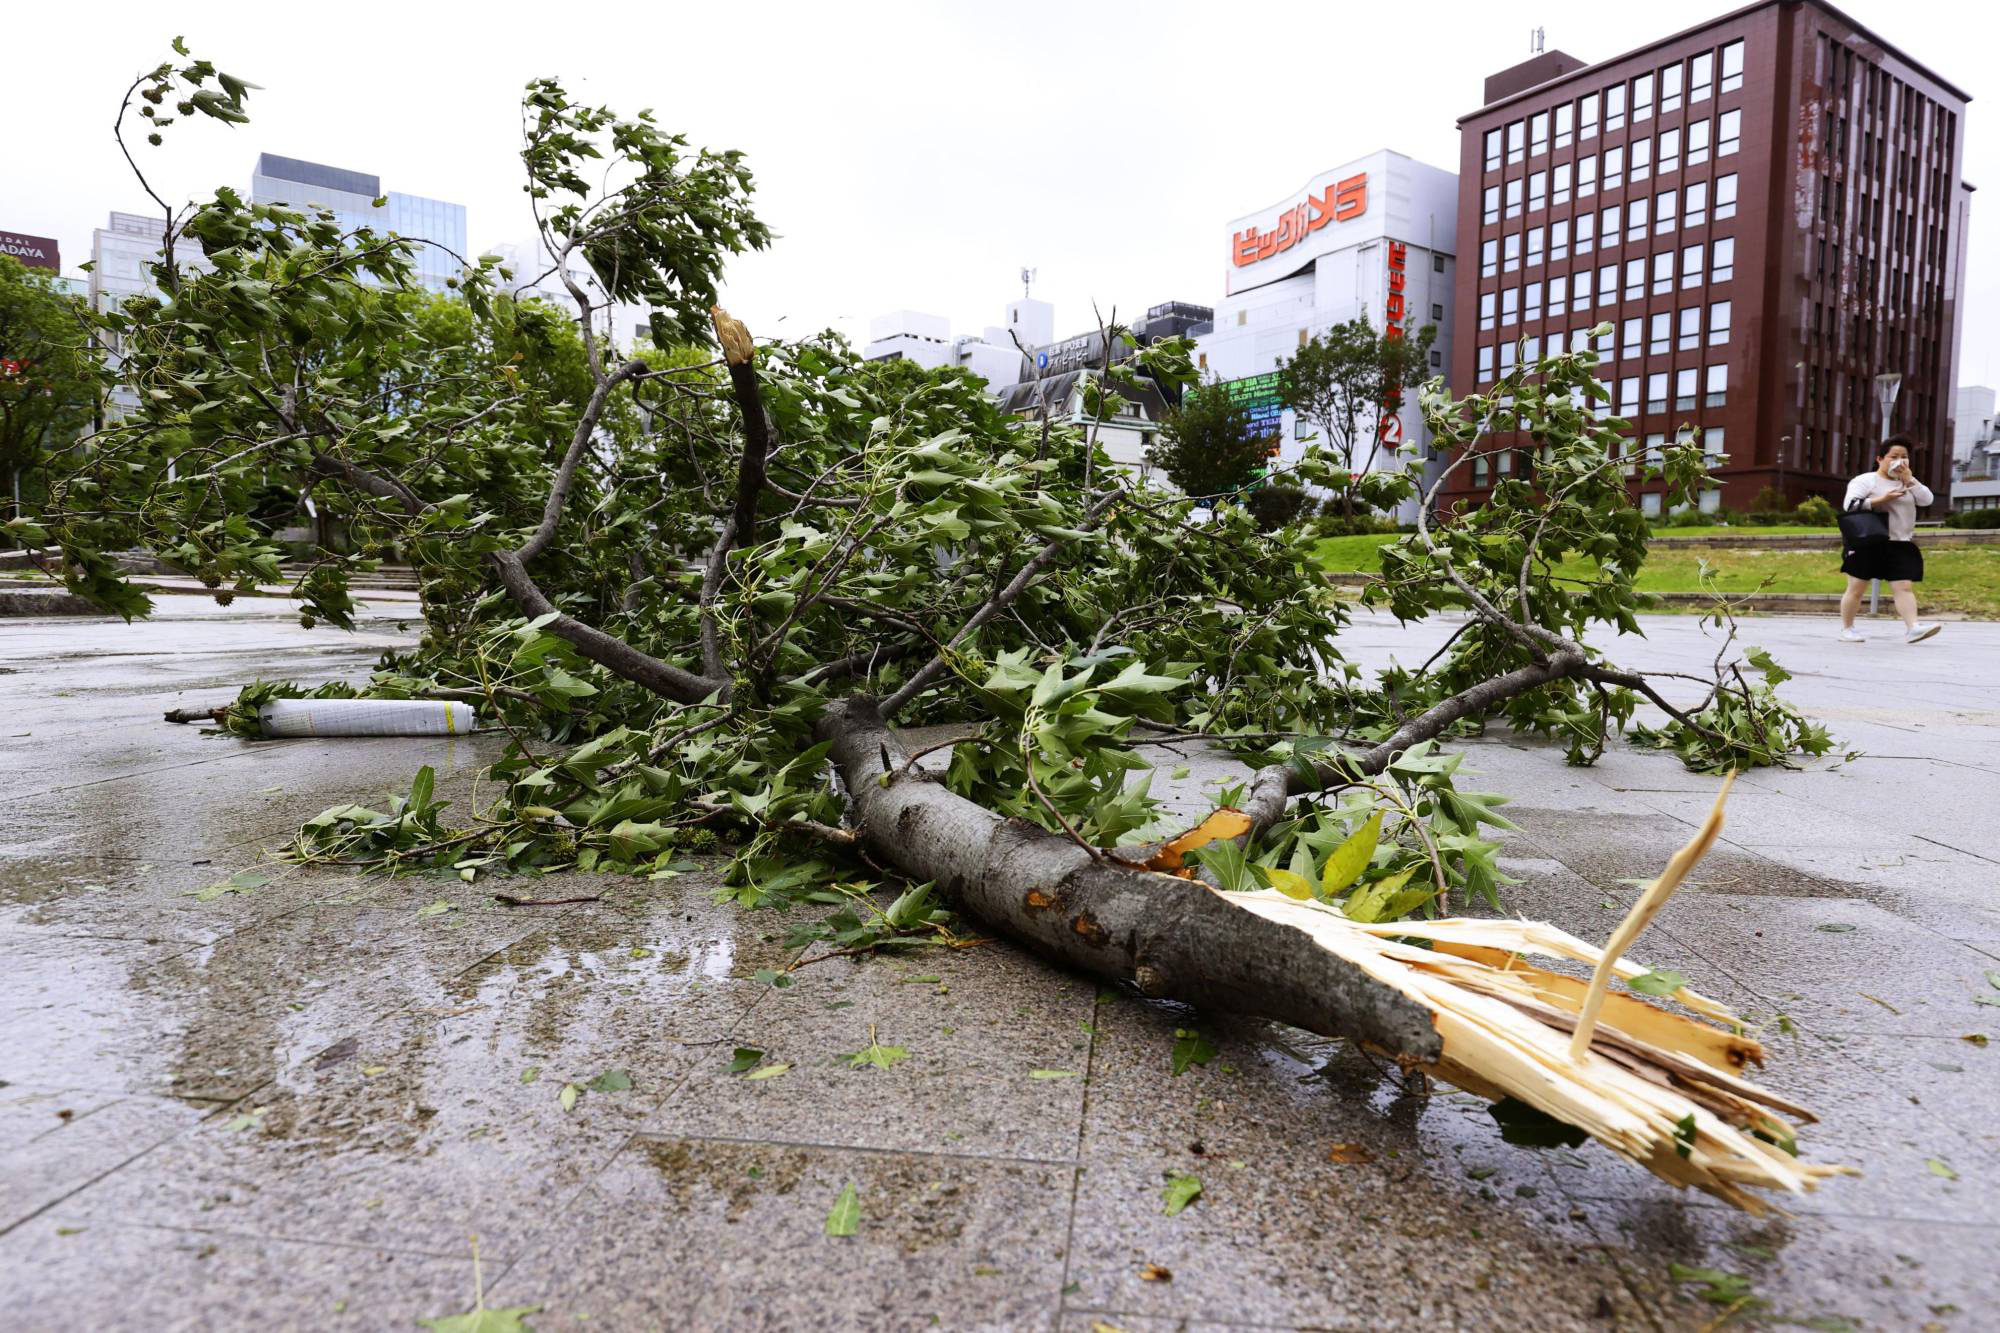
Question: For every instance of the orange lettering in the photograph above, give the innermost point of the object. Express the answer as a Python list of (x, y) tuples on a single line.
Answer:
[(1246, 247), (1350, 197)]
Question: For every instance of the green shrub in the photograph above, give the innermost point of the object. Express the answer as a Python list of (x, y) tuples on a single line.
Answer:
[(1817, 510), (1974, 518), (1770, 500), (1689, 518), (1275, 506)]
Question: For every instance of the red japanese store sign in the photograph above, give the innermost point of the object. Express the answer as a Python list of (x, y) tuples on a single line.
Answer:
[(1394, 318), (1342, 200)]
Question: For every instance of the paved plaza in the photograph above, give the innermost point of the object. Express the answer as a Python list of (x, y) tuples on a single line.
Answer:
[(295, 1106)]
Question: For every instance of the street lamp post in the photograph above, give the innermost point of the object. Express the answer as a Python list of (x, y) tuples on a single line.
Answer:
[(1887, 385)]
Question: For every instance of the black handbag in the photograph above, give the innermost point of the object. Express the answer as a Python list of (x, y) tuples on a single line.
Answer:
[(1862, 526)]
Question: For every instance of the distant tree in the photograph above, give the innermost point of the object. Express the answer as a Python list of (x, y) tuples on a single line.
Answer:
[(49, 374), (1347, 383), (1207, 446)]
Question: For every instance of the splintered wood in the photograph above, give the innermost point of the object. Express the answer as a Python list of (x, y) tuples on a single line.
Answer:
[(1659, 1087)]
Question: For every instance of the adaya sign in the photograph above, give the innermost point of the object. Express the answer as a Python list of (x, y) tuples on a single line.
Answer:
[(1342, 199), (33, 251)]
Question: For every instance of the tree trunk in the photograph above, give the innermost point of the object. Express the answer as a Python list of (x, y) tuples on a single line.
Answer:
[(1175, 938)]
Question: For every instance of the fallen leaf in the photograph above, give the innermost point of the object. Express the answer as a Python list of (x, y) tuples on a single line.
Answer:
[(71, 1231), (1190, 1048), (1659, 983), (1835, 927), (1976, 1038), (768, 1071), (482, 1320), (1181, 1190), (241, 882), (844, 1218), (1223, 823), (611, 1080), (745, 1059), (1351, 1153), (531, 1073), (1938, 1168), (876, 1054), (570, 1092), (1052, 1073), (438, 908), (1878, 1000), (370, 1071), (247, 1120), (1156, 1273)]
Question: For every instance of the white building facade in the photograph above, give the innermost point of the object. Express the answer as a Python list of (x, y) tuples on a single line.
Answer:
[(1375, 238), (351, 195)]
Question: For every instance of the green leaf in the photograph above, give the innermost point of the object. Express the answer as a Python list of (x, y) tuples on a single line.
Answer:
[(877, 1055), (1723, 1288), (1351, 857), (438, 908), (1938, 1168), (1658, 983), (611, 1080), (241, 882), (531, 1073), (1684, 1134), (766, 1071), (1835, 927), (483, 1320), (1190, 1048), (777, 980), (1181, 1190), (1387, 899), (746, 1059), (844, 1218), (1290, 883), (567, 1097), (1051, 1073)]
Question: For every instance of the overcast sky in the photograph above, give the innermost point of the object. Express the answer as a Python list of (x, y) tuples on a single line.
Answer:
[(907, 155)]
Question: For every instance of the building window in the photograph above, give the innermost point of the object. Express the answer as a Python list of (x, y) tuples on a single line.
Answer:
[(1663, 211), (1718, 323), (1479, 466), (1586, 177), (1729, 133), (1685, 382), (1490, 210), (1586, 115), (1614, 108), (1510, 306), (1670, 88), (1661, 340), (1701, 77), (1538, 134), (1636, 213), (1732, 67), (1493, 150), (1507, 350), (1698, 133), (1437, 263), (1642, 98), (1724, 266), (1516, 138), (1558, 296), (1559, 188), (1559, 241), (1656, 392), (1607, 224), (1718, 385), (1635, 278), (1607, 284), (1614, 166), (1691, 265), (1628, 397), (1565, 124), (1605, 343), (1488, 303), (1690, 330), (1670, 151), (1586, 233), (1725, 197), (1663, 272), (1712, 446), (1437, 312), (1656, 449), (1531, 350), (1511, 259), (1639, 159), (1649, 504), (1534, 302), (1437, 358), (1534, 246), (1503, 463), (1489, 258), (1538, 191), (1696, 213), (1485, 362), (1633, 345)]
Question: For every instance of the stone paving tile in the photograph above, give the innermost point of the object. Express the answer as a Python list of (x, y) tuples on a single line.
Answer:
[(688, 1233), (110, 1275), (121, 898), (97, 1137), (976, 1030)]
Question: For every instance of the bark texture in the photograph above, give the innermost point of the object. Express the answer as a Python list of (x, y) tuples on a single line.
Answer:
[(1177, 939)]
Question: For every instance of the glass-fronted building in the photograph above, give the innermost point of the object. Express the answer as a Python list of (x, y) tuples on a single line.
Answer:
[(352, 195)]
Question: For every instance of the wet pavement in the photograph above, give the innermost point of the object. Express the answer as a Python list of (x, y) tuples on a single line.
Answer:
[(295, 1106)]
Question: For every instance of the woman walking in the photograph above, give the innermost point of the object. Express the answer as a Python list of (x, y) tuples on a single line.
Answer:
[(1894, 492)]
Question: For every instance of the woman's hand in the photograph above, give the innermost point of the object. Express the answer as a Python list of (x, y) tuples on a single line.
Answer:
[(1887, 497)]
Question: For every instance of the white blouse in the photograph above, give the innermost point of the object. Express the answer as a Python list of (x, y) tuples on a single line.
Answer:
[(1901, 512)]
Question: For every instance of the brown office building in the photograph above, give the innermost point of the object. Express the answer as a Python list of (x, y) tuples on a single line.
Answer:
[(1765, 208)]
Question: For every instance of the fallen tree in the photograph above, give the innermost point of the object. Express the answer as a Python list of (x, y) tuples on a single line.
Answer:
[(701, 589)]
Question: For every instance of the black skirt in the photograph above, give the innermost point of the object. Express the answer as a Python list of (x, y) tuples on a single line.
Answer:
[(1888, 561)]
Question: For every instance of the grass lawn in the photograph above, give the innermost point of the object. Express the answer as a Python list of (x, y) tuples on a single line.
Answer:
[(1963, 579)]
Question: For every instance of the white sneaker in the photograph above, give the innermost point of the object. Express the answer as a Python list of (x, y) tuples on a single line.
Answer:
[(1852, 635), (1920, 633)]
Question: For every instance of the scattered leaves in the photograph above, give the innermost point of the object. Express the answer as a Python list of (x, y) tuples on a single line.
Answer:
[(1181, 1190), (438, 908), (1190, 1048), (876, 1054), (1720, 1288), (844, 1218), (611, 1080), (745, 1059)]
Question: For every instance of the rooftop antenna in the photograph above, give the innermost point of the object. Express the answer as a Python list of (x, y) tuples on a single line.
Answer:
[(1537, 41), (1027, 280)]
